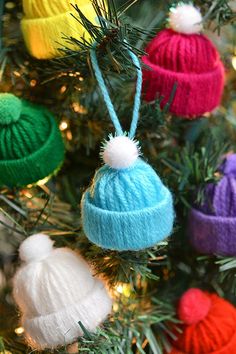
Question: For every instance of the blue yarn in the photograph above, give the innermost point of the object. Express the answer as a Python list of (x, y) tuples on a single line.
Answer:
[(127, 209), (106, 96)]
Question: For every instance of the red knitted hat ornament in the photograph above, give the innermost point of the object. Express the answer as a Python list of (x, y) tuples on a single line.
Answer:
[(209, 324), (181, 56)]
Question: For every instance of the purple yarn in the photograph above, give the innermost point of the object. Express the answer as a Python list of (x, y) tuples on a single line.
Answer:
[(212, 226)]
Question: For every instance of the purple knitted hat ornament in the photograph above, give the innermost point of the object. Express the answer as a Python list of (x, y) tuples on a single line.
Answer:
[(212, 226)]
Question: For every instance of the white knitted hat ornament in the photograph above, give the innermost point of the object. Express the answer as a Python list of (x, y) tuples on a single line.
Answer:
[(55, 289)]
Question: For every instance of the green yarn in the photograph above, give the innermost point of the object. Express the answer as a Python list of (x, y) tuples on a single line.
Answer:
[(26, 135), (10, 108), (31, 148)]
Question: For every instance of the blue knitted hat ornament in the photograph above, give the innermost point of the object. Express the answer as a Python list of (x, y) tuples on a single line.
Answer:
[(127, 207)]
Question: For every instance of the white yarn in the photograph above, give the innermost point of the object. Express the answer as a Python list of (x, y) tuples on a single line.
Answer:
[(185, 18), (55, 292), (120, 152), (35, 248)]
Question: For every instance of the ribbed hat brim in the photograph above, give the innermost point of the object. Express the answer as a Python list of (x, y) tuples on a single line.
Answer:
[(40, 164), (62, 327), (132, 230), (195, 95), (212, 234), (227, 349), (43, 36)]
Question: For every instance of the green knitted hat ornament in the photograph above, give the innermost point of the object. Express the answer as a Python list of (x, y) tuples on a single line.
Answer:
[(31, 145)]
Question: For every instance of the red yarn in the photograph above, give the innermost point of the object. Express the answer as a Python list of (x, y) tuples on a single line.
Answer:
[(215, 333), (193, 63), (194, 306)]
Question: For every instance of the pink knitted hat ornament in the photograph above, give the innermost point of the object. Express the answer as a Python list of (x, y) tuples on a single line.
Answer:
[(182, 56)]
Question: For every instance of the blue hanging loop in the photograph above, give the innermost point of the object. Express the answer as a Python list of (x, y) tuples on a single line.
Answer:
[(107, 99)]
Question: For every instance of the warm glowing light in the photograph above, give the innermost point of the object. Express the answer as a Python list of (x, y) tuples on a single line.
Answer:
[(78, 108), (33, 83), (28, 194), (115, 307), (119, 288), (124, 289), (63, 125), (234, 62), (19, 330), (69, 135), (43, 181), (63, 89), (16, 73)]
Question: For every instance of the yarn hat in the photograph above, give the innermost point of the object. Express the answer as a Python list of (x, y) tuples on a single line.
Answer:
[(212, 225), (181, 56), (209, 324), (31, 146), (55, 289), (46, 24), (127, 207)]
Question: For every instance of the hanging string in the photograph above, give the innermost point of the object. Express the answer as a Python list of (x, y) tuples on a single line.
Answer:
[(106, 96)]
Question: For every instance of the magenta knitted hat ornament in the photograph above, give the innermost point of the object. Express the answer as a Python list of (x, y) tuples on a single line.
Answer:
[(183, 57), (212, 225)]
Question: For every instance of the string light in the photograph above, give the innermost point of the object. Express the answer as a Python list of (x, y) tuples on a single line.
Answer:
[(63, 125), (123, 289), (63, 89), (78, 108), (33, 83), (69, 135), (19, 331), (16, 73)]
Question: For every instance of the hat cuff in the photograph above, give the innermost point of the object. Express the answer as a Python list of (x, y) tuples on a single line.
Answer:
[(228, 348), (195, 95), (62, 327), (35, 167), (212, 234), (133, 230), (44, 36)]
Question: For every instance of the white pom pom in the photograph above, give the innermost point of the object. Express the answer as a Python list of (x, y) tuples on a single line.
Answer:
[(185, 18), (35, 248), (120, 152)]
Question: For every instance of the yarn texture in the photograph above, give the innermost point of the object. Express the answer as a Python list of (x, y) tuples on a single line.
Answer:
[(213, 332), (55, 289), (46, 24), (127, 207), (31, 146), (212, 225), (189, 61)]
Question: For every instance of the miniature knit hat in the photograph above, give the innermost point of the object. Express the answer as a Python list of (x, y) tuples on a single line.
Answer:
[(181, 56), (31, 146), (212, 225), (127, 207), (55, 289), (47, 23), (209, 324)]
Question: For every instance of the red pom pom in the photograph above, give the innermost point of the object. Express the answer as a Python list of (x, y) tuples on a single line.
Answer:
[(194, 306)]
